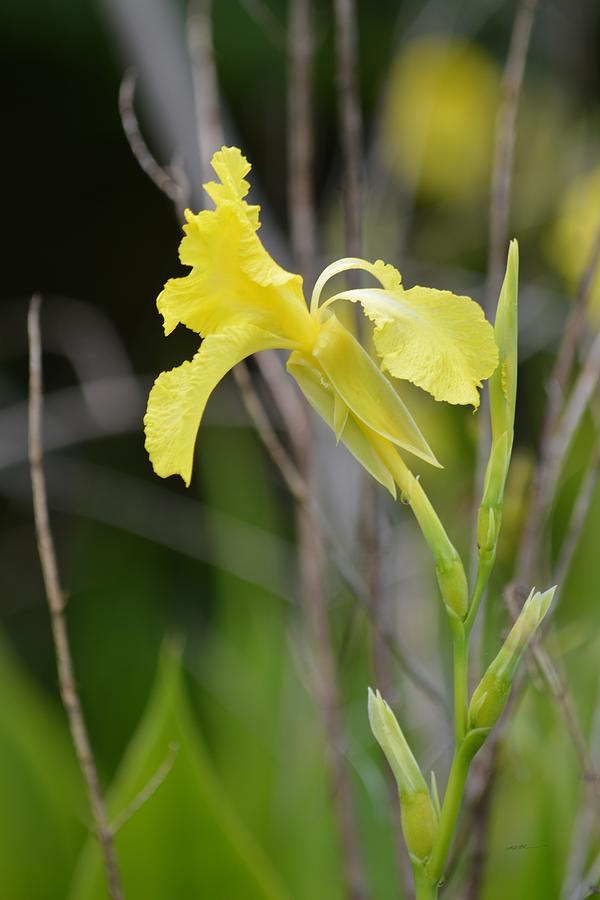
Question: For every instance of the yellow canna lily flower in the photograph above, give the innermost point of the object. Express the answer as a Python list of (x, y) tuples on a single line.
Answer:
[(241, 301)]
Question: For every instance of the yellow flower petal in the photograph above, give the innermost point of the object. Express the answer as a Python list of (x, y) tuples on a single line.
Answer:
[(178, 398), (365, 389), (325, 402), (231, 167), (438, 340), (340, 416), (233, 278), (388, 276)]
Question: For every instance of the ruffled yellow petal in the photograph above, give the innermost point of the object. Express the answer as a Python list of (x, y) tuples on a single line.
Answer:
[(233, 278), (231, 167), (328, 405), (178, 398), (438, 340), (365, 389)]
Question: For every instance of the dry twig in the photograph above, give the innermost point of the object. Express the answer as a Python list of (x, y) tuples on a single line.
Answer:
[(56, 604), (312, 566), (533, 531), (163, 180), (504, 145), (350, 120)]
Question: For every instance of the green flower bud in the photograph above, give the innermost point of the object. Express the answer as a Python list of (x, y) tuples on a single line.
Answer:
[(490, 696), (490, 512), (418, 813), (453, 586), (419, 825)]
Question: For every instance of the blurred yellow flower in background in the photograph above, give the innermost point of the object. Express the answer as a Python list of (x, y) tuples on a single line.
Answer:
[(240, 301), (569, 241), (438, 118)]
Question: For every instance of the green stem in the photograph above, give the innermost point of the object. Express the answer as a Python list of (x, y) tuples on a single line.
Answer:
[(450, 811), (461, 680), (484, 570), (425, 888)]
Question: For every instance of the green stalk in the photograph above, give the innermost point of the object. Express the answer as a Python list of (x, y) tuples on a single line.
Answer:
[(484, 570), (450, 810), (425, 888), (460, 653)]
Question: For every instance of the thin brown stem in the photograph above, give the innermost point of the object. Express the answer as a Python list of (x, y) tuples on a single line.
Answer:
[(301, 205), (504, 145), (163, 180), (350, 118), (534, 531), (578, 517), (313, 593), (56, 602), (278, 453), (500, 198), (572, 335), (586, 821), (204, 79), (327, 690)]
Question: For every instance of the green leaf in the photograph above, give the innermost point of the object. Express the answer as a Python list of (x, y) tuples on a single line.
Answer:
[(253, 690), (186, 840), (42, 807)]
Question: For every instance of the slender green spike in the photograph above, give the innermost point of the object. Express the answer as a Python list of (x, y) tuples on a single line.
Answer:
[(503, 383)]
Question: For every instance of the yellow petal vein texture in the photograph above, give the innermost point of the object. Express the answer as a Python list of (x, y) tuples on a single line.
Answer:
[(178, 398), (438, 340), (233, 279), (365, 389)]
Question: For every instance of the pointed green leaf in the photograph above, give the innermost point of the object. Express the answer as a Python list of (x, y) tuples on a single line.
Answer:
[(186, 840)]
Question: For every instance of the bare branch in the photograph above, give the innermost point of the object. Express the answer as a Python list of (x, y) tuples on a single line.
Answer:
[(204, 78), (504, 145), (502, 173), (55, 598), (312, 565), (578, 518), (583, 830), (300, 116), (266, 432), (572, 334), (350, 118), (534, 526), (146, 161), (561, 440)]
